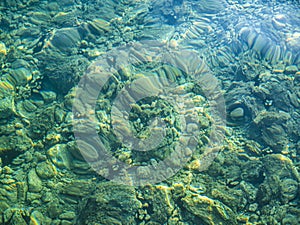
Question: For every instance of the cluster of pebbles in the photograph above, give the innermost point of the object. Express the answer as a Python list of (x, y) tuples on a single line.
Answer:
[(251, 47)]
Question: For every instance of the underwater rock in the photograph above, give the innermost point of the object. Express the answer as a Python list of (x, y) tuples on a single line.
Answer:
[(160, 203), (48, 96), (291, 219), (6, 88), (38, 17), (78, 188), (268, 191), (15, 216), (59, 69), (293, 40), (29, 106), (197, 29), (87, 150), (3, 207), (20, 73), (60, 156), (292, 69), (3, 50), (98, 27), (249, 191), (168, 11), (67, 215), (237, 113), (14, 144), (271, 128), (222, 57), (36, 217), (233, 199), (241, 48), (64, 40), (42, 121), (111, 203), (281, 180), (6, 107), (26, 108), (74, 150), (252, 171), (288, 189), (268, 44), (54, 209), (208, 211), (280, 165), (241, 105), (11, 191), (59, 115), (34, 182), (45, 170), (19, 76), (275, 136)]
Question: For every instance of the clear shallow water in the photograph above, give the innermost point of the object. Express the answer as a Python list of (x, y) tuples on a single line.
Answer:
[(149, 112)]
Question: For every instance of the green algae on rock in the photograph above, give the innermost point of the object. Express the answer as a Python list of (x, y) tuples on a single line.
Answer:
[(119, 200), (252, 49)]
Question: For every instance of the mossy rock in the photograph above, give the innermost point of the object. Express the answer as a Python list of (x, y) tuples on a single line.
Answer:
[(111, 203), (206, 211)]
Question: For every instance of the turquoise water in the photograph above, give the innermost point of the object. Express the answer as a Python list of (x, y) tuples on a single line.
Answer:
[(149, 112)]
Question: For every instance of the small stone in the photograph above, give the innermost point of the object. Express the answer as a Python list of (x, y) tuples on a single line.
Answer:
[(77, 188), (94, 53), (291, 69), (192, 127), (289, 189), (45, 170), (253, 207), (3, 50), (278, 68), (237, 113), (6, 108), (34, 182), (297, 77), (7, 170), (17, 218), (48, 96), (59, 156), (3, 206), (66, 222), (67, 215), (34, 198), (36, 217), (208, 210), (53, 209)]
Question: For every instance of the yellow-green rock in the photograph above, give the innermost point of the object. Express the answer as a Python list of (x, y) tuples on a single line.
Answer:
[(208, 211)]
